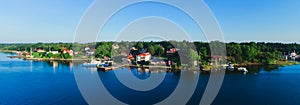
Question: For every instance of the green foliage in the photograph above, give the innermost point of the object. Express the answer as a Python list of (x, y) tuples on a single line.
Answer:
[(193, 56), (151, 49), (67, 56), (103, 49), (159, 50), (139, 45), (49, 55), (36, 55)]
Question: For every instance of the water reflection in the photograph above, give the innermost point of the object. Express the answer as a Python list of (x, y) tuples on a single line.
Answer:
[(146, 72), (125, 90), (256, 69)]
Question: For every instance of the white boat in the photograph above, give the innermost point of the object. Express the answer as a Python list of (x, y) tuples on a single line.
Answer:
[(109, 63), (92, 63), (242, 69), (224, 66), (230, 67)]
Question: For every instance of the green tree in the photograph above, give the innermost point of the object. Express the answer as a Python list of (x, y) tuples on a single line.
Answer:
[(103, 50), (159, 50), (139, 45), (67, 56), (36, 55), (151, 49), (193, 56)]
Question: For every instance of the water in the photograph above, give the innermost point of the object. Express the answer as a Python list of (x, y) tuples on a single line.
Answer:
[(30, 82)]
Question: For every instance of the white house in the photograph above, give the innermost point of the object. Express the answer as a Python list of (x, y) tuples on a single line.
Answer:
[(53, 52), (143, 57)]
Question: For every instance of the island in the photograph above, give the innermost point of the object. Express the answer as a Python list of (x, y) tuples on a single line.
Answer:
[(172, 54)]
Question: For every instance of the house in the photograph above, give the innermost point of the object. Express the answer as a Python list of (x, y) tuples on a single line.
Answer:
[(40, 50), (124, 53), (157, 61), (143, 57), (133, 48), (87, 48), (115, 46), (27, 54), (215, 58), (68, 51), (89, 51), (172, 51), (294, 55), (130, 57), (53, 52)]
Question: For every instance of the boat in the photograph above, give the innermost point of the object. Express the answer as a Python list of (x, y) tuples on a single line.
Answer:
[(224, 66), (242, 69), (100, 65), (92, 63), (108, 62), (230, 67)]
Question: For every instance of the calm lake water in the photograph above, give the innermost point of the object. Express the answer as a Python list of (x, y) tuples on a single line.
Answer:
[(30, 82)]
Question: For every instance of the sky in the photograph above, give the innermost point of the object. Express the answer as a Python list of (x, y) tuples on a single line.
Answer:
[(31, 21)]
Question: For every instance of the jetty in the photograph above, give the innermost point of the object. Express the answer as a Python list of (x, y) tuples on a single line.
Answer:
[(114, 67), (11, 57)]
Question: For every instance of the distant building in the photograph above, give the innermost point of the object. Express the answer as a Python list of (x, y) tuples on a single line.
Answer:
[(172, 51), (89, 51), (133, 48), (124, 53), (87, 48), (115, 46), (294, 55)]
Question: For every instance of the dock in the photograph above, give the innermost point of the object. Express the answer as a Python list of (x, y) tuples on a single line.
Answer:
[(114, 67), (15, 57), (106, 68)]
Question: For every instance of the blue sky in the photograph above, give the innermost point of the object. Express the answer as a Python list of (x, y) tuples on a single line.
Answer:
[(240, 20)]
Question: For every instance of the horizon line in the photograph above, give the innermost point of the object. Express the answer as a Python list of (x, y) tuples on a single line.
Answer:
[(295, 42)]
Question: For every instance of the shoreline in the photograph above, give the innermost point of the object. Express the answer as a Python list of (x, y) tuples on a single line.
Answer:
[(57, 59), (206, 67), (279, 63), (8, 51)]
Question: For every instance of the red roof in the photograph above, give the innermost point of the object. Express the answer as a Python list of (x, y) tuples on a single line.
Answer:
[(130, 56), (144, 54)]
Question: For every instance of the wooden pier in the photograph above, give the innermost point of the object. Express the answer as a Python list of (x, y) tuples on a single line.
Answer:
[(106, 68), (114, 67), (15, 57)]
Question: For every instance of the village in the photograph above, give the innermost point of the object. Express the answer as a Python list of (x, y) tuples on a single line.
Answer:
[(110, 56)]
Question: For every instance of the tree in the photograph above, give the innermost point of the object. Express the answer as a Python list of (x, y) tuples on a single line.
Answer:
[(193, 56), (67, 56), (151, 49), (49, 55), (36, 55), (159, 50), (139, 45), (103, 50)]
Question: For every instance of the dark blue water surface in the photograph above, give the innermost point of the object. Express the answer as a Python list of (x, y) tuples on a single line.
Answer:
[(35, 82)]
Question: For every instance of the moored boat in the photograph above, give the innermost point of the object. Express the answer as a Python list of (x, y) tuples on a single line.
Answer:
[(230, 67), (242, 69), (92, 63)]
